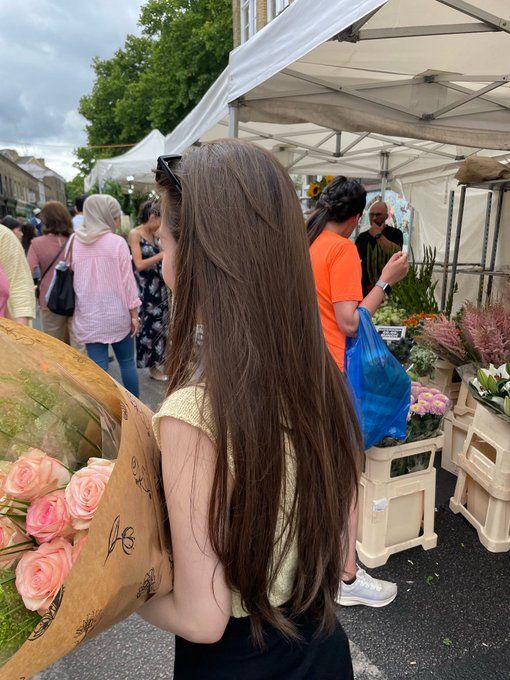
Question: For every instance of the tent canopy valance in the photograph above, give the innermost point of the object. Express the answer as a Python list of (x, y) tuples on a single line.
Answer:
[(397, 81), (133, 168)]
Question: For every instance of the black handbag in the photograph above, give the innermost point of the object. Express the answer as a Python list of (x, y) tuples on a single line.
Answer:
[(61, 294)]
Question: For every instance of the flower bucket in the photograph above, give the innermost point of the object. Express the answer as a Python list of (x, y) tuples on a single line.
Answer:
[(125, 559), (397, 500), (446, 380)]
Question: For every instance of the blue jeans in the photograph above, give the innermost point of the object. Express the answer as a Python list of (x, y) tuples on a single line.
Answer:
[(125, 355)]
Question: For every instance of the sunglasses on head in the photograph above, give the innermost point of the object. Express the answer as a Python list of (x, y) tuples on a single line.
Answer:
[(165, 167)]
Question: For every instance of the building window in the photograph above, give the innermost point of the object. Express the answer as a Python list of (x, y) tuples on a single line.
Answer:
[(274, 7), (248, 19)]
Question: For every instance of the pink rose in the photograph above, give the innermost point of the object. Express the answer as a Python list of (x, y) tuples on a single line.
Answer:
[(10, 536), (48, 518), (40, 573), (85, 490), (78, 545), (35, 474)]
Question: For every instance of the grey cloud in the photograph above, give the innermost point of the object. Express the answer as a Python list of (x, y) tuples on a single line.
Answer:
[(46, 50)]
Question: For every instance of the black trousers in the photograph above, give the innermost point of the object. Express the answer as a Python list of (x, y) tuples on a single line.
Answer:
[(236, 657)]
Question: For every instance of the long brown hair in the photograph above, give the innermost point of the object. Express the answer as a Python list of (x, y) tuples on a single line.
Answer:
[(243, 271)]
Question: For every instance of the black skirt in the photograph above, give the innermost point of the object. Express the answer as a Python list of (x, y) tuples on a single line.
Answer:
[(236, 657)]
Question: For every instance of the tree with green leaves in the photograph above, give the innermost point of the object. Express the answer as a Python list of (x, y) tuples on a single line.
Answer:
[(157, 78)]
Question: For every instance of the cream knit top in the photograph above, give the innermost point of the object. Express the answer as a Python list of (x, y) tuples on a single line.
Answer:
[(188, 405)]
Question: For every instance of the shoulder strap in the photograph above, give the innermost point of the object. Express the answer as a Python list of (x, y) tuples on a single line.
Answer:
[(69, 253), (52, 263)]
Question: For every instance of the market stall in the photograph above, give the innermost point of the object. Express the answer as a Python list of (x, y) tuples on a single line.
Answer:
[(133, 169), (394, 90)]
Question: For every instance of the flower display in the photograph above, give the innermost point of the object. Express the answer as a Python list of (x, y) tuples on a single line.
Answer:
[(492, 387), (426, 411)]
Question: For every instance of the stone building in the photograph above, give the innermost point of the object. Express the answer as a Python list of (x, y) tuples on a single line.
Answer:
[(53, 185), (19, 190), (249, 16)]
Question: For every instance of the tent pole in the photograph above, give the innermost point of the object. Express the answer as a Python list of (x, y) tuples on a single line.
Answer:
[(485, 244), (447, 248), (495, 240), (456, 246), (385, 156), (233, 126)]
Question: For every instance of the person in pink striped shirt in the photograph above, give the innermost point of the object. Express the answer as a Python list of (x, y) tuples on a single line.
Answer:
[(106, 307)]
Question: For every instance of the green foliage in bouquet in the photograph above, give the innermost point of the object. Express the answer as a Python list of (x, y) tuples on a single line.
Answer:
[(423, 360), (16, 622), (415, 293)]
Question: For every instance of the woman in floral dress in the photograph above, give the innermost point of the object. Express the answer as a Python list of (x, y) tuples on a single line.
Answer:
[(151, 341)]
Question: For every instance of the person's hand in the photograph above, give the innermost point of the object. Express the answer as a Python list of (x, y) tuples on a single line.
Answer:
[(395, 269), (135, 325)]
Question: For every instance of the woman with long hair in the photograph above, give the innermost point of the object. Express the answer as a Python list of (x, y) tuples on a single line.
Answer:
[(147, 257), (106, 311), (258, 437), (337, 272), (43, 256)]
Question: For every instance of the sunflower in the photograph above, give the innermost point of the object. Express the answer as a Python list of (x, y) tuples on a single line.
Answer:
[(314, 190), (329, 178)]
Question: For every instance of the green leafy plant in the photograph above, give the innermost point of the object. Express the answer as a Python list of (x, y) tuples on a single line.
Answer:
[(422, 359), (415, 292), (377, 258)]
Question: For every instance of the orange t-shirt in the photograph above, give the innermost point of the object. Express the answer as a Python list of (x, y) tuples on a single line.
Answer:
[(337, 272)]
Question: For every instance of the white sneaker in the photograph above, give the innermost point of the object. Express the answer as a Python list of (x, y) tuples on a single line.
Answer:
[(367, 590)]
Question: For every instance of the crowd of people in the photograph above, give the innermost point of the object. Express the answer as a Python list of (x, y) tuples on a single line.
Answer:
[(120, 297), (264, 541)]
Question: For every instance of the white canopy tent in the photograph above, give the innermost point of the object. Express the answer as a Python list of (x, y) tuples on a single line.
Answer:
[(374, 89), (131, 169)]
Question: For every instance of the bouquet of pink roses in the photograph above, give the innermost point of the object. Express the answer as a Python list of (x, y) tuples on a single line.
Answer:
[(83, 539)]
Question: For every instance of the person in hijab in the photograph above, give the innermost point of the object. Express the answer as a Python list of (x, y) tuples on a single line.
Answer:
[(106, 305)]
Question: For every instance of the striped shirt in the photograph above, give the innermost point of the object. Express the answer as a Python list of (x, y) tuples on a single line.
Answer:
[(105, 289), (14, 263)]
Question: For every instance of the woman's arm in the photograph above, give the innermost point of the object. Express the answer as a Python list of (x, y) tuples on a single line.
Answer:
[(33, 259), (198, 609), (136, 253), (346, 313)]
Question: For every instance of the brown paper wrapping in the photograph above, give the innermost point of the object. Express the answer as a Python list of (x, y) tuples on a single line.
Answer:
[(126, 559)]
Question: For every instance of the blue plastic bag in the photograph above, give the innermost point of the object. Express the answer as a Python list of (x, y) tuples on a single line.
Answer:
[(381, 387)]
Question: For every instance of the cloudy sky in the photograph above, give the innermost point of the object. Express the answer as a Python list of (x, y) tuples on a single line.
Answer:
[(46, 50)]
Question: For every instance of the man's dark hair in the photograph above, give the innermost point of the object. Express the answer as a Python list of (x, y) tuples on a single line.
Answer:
[(79, 201), (11, 222)]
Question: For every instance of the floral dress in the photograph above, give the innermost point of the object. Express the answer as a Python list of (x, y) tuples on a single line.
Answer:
[(151, 341)]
